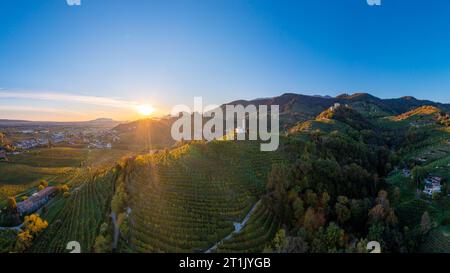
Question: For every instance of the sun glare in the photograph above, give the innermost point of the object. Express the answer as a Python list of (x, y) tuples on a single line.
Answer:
[(145, 109)]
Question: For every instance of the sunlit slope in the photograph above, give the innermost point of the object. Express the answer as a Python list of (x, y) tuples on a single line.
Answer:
[(78, 217), (187, 199)]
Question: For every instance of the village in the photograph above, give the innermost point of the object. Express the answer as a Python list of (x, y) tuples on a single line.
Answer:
[(18, 140)]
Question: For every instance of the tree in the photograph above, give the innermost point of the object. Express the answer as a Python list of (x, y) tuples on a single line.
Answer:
[(102, 245), (277, 185), (311, 198), (43, 183), (12, 204), (63, 188), (23, 241), (325, 199), (278, 242), (277, 180), (120, 199), (313, 219), (425, 223), (343, 213), (295, 245), (382, 212), (334, 238), (279, 239), (33, 224), (298, 209), (361, 246)]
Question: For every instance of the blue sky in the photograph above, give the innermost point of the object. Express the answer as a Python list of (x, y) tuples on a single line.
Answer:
[(105, 56)]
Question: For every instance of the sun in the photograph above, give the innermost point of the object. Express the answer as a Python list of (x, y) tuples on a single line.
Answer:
[(145, 109)]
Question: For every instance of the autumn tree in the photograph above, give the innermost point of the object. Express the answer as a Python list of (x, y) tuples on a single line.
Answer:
[(42, 185), (33, 224), (12, 204), (313, 219)]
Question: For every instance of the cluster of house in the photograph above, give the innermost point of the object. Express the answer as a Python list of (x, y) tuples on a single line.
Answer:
[(99, 145), (432, 185), (35, 142), (36, 201), (30, 143)]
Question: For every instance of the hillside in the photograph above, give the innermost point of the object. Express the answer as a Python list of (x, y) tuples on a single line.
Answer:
[(347, 115), (144, 134), (187, 199), (419, 112)]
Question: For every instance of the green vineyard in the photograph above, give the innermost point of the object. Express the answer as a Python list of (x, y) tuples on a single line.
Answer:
[(78, 217), (7, 239), (259, 230), (187, 200), (436, 242)]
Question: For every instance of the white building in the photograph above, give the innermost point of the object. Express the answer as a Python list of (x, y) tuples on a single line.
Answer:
[(432, 185)]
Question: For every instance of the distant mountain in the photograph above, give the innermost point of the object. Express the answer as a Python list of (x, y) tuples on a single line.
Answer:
[(294, 109), (102, 122), (297, 108), (4, 122)]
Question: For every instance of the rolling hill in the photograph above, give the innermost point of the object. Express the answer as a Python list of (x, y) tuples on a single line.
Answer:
[(228, 196)]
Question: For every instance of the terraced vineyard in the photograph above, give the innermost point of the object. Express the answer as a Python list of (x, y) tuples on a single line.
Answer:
[(7, 239), (411, 212), (187, 199), (260, 229), (436, 242), (78, 217)]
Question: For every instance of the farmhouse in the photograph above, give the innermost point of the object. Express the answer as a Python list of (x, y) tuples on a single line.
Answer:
[(36, 201), (432, 185)]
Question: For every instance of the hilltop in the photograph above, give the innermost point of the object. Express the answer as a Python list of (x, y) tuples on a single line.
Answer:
[(145, 134), (419, 112)]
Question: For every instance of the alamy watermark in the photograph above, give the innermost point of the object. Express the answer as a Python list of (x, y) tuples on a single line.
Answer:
[(248, 122), (73, 2), (374, 2)]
